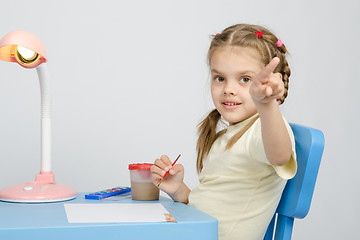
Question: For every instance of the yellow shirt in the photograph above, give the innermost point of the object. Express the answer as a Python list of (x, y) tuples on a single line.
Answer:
[(239, 186)]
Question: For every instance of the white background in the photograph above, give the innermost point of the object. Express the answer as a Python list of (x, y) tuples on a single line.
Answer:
[(130, 82)]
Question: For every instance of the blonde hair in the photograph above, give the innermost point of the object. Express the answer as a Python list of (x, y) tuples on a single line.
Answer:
[(241, 35)]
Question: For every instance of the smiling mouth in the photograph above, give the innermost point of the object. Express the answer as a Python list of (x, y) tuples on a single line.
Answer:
[(231, 104)]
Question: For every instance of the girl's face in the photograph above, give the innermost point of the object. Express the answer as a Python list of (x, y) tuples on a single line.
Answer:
[(232, 72)]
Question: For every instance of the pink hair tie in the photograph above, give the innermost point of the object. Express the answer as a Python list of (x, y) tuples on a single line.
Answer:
[(279, 43)]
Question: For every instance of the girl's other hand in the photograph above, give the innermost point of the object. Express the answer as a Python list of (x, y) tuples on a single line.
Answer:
[(173, 180), (267, 86)]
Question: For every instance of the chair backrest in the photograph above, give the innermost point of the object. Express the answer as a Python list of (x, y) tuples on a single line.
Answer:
[(296, 198)]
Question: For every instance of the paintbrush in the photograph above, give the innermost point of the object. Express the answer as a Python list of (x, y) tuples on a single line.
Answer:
[(168, 171)]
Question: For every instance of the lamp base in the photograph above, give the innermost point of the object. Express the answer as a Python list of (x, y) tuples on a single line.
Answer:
[(37, 192)]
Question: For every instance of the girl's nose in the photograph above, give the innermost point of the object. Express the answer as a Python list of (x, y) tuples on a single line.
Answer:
[(229, 89)]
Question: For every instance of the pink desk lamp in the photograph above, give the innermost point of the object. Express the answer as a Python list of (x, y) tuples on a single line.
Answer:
[(29, 52)]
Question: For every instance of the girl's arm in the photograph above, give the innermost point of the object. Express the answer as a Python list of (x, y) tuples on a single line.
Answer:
[(182, 195), (173, 184), (265, 89)]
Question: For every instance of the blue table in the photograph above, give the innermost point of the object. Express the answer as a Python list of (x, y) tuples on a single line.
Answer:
[(48, 221)]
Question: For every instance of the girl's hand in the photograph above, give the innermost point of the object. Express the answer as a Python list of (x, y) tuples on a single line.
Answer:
[(265, 89), (173, 181), (267, 86)]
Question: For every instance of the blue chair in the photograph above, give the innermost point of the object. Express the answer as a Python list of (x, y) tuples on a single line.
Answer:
[(296, 198)]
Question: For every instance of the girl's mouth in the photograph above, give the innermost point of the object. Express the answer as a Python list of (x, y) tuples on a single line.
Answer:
[(230, 105)]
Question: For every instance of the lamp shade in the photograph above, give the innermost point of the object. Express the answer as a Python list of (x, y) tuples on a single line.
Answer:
[(10, 51)]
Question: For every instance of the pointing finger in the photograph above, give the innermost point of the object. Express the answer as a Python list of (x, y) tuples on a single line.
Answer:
[(268, 69)]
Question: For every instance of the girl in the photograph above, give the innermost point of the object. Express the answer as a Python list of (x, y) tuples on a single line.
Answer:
[(242, 169)]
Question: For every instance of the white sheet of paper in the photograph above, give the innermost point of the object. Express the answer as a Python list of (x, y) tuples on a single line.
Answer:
[(115, 212)]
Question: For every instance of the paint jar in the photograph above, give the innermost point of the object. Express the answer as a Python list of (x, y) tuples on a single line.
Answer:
[(142, 187)]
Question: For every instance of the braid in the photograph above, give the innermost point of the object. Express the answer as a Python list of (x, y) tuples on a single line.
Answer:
[(277, 51), (207, 136), (283, 68), (285, 72)]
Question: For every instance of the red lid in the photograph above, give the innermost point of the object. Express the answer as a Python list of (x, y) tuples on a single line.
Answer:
[(140, 166)]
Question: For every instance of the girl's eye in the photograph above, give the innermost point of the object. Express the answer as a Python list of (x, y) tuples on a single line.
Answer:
[(245, 80), (219, 79)]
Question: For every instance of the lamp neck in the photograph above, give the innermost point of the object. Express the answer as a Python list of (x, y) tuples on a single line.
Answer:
[(44, 81)]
